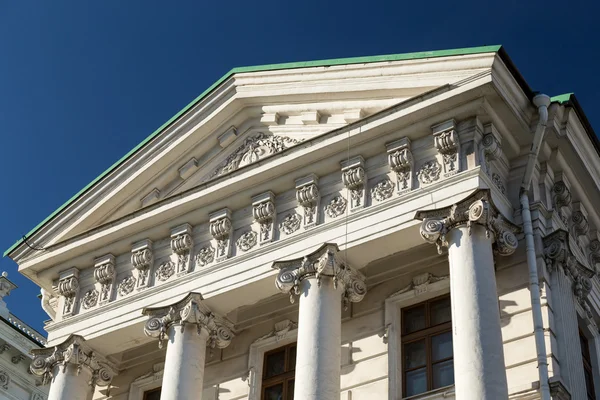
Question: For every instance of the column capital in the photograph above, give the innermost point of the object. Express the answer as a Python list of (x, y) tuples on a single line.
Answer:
[(478, 208), (189, 310), (322, 262), (74, 351)]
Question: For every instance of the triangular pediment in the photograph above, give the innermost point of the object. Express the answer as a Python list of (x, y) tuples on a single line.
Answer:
[(247, 118)]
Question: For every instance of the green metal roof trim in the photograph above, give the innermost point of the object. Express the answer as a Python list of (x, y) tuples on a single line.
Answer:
[(269, 67), (561, 98)]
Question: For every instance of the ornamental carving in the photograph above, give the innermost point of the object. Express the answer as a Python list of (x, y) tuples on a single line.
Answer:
[(190, 310), (142, 259), (68, 287), (355, 178), (561, 197), (165, 271), (290, 224), (497, 180), (594, 252), (383, 190), (491, 150), (246, 241), (90, 299), (445, 140), (429, 172), (220, 229), (126, 286), (477, 209), (205, 256), (400, 159), (254, 148), (280, 330), (104, 274), (263, 210), (76, 352), (579, 224), (181, 245), (558, 256), (308, 196), (37, 396), (420, 283), (4, 380), (321, 263), (336, 207)]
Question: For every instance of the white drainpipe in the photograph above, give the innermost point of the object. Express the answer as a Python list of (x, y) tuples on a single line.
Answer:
[(542, 102)]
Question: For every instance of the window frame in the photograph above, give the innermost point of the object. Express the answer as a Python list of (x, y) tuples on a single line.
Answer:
[(147, 392), (282, 378), (404, 298)]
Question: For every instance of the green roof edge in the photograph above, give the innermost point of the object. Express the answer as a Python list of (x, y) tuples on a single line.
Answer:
[(561, 98), (257, 68)]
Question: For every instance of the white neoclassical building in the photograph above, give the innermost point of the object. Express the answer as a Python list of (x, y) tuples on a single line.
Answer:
[(17, 340), (414, 226)]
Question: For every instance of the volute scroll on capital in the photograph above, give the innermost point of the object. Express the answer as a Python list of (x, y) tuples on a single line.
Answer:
[(476, 209), (324, 262), (190, 310), (74, 351)]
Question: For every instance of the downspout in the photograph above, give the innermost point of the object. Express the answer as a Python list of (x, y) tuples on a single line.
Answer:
[(541, 101)]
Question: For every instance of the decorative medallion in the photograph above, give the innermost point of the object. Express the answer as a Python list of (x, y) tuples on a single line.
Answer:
[(336, 207), (429, 172), (165, 271), (498, 182), (90, 299), (205, 256), (4, 380), (126, 286), (246, 241), (290, 224), (383, 190)]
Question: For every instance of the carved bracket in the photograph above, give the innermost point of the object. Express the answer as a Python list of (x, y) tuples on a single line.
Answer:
[(142, 259), (354, 178), (68, 288), (445, 140), (104, 274), (420, 283), (478, 209), (308, 196), (181, 245), (561, 197), (400, 159), (221, 230), (263, 210)]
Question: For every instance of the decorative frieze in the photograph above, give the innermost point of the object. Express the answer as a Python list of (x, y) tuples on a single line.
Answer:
[(280, 330), (263, 210), (68, 288), (559, 256), (104, 274), (400, 159), (165, 270), (181, 245), (4, 380), (383, 190), (290, 224), (254, 148), (354, 178), (308, 196), (126, 285), (420, 283), (445, 140), (16, 359), (246, 241), (220, 230), (324, 262), (142, 259), (429, 172), (475, 209), (76, 352), (90, 299), (336, 207), (190, 310), (205, 256)]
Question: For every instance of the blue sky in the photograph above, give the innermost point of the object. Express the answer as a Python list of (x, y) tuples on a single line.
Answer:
[(82, 82)]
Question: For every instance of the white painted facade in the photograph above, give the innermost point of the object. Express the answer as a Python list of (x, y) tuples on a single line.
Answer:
[(17, 339), (295, 204)]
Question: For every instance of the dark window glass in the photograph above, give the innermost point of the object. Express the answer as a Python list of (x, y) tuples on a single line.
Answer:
[(278, 373), (427, 355), (587, 366), (153, 394)]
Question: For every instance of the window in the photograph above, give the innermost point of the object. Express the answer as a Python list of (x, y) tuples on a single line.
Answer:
[(278, 373), (427, 361), (587, 366), (153, 394)]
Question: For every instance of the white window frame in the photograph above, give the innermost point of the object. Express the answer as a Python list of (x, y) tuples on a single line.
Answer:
[(146, 382), (257, 357), (411, 295)]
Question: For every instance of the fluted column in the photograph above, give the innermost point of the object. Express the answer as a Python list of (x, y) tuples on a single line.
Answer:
[(189, 326), (322, 282), (72, 368), (472, 230)]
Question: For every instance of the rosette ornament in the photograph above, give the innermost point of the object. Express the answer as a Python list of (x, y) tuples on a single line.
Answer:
[(189, 310), (48, 362), (477, 209), (323, 262)]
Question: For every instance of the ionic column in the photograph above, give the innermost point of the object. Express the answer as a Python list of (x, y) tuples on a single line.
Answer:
[(322, 282), (189, 326), (473, 230), (72, 368)]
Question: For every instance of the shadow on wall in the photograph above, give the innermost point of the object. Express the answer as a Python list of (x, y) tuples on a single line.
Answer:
[(348, 364), (505, 317)]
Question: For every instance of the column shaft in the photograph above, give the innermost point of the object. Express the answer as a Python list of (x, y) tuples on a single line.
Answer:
[(70, 384), (319, 341), (479, 368), (184, 363)]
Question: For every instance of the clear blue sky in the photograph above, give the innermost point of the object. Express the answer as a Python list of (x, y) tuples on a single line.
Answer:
[(82, 82)]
